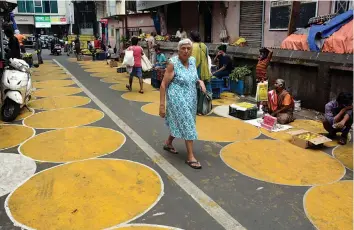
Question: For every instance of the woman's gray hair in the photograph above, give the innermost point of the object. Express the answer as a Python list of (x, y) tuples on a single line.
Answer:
[(280, 82), (184, 42)]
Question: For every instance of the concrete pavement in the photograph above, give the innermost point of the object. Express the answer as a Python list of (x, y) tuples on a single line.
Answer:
[(248, 180)]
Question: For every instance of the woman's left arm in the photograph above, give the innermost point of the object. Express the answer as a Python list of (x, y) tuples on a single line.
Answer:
[(202, 85)]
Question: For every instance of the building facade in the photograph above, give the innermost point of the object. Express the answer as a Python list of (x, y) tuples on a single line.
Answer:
[(44, 16)]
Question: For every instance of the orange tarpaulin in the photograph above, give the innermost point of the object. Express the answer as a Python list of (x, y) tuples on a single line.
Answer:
[(339, 42)]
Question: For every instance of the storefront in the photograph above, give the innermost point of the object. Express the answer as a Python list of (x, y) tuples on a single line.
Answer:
[(25, 24), (42, 24), (59, 25)]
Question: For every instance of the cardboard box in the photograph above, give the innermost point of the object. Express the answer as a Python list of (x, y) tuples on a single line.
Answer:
[(317, 141)]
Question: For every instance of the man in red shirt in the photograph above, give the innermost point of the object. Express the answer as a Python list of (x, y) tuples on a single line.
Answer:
[(264, 58)]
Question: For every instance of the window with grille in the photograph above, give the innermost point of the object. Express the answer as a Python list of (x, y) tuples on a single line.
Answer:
[(341, 6)]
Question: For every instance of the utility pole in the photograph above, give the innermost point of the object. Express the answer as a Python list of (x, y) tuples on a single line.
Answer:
[(294, 15)]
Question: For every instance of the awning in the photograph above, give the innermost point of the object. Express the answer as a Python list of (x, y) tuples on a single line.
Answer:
[(144, 5)]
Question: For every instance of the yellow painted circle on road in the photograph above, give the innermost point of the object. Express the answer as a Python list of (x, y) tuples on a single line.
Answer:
[(219, 129), (330, 206), (120, 80), (13, 135), (89, 194), (104, 75), (135, 88), (53, 83), (145, 227), (72, 144), (282, 163), (151, 108), (152, 96), (344, 154), (100, 70), (54, 76), (24, 112), (58, 91), (63, 118), (61, 102), (309, 125)]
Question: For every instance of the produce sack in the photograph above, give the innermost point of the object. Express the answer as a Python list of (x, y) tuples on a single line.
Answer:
[(128, 58), (145, 63), (262, 92)]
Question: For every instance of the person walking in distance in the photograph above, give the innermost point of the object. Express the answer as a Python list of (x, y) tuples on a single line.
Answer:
[(38, 48), (137, 68), (179, 86), (151, 47)]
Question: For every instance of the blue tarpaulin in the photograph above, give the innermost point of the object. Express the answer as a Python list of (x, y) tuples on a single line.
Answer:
[(318, 32), (12, 18)]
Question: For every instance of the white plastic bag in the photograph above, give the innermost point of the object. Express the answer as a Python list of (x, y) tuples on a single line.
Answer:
[(209, 64), (145, 63), (128, 58)]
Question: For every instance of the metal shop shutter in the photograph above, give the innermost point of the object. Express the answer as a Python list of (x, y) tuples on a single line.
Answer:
[(251, 22)]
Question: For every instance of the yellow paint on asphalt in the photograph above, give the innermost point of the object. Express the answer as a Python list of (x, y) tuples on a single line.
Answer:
[(58, 91), (309, 125), (136, 87), (282, 163), (61, 102), (72, 144), (226, 98), (116, 80), (24, 112), (104, 75), (330, 207), (63, 118), (90, 194), (145, 227), (152, 96), (100, 70), (151, 108), (53, 83), (13, 135), (344, 153), (54, 76), (220, 129)]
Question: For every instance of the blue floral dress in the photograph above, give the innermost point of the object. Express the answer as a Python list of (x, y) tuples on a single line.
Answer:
[(181, 98)]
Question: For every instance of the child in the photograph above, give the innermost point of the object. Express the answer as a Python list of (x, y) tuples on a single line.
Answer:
[(110, 53), (264, 58)]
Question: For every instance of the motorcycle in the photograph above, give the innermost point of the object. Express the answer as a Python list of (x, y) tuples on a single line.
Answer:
[(16, 88), (57, 50)]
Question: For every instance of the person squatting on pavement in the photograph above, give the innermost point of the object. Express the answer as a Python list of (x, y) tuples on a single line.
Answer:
[(137, 68), (280, 103), (13, 46), (179, 85), (339, 117)]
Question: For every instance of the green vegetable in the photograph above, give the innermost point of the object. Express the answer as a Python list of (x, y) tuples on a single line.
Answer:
[(239, 73)]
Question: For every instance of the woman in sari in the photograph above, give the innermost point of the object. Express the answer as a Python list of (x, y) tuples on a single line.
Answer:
[(201, 53)]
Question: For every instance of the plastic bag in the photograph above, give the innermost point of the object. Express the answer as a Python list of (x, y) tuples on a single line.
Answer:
[(204, 105), (128, 58), (262, 92), (145, 63), (209, 65)]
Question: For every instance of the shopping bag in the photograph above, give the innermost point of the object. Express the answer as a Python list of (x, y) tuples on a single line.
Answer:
[(128, 58), (262, 92), (204, 104), (209, 65), (145, 63)]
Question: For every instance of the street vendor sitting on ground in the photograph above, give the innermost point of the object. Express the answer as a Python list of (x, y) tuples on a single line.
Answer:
[(339, 117), (160, 58), (264, 58), (225, 63), (280, 103)]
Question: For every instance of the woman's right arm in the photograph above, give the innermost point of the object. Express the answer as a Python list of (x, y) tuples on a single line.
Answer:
[(169, 74)]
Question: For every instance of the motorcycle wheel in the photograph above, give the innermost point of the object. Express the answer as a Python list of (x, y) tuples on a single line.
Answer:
[(10, 110)]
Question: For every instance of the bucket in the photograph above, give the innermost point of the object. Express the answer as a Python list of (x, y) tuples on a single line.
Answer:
[(297, 105)]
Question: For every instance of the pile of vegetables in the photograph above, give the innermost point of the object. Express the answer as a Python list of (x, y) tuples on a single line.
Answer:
[(27, 55), (239, 73), (308, 136)]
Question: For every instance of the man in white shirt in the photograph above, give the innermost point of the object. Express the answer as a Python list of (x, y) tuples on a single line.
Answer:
[(181, 34), (151, 48)]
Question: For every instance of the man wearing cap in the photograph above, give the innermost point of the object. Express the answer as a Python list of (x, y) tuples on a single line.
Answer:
[(225, 63), (280, 103)]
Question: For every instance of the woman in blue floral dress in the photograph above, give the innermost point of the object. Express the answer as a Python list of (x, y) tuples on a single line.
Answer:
[(180, 83)]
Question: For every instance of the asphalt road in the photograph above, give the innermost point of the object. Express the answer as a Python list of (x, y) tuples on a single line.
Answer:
[(216, 197)]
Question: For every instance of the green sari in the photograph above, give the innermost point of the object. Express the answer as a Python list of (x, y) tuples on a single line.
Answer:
[(200, 53)]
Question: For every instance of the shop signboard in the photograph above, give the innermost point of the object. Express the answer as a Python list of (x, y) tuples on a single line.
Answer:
[(42, 21), (143, 5), (58, 20)]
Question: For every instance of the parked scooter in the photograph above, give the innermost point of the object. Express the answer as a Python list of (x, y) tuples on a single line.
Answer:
[(16, 88)]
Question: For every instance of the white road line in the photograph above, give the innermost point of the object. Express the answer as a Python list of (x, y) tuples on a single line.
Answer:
[(210, 206)]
